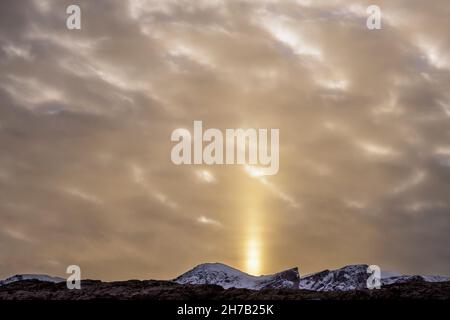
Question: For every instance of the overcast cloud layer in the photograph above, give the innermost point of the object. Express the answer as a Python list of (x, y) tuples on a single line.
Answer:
[(86, 118)]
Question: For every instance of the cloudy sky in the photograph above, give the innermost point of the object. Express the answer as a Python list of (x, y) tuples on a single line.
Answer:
[(86, 117)]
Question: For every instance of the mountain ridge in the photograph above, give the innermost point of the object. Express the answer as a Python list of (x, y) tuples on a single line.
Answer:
[(347, 278)]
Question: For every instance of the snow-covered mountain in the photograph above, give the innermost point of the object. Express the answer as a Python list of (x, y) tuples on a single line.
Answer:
[(407, 278), (228, 277), (347, 278), (352, 277), (40, 277)]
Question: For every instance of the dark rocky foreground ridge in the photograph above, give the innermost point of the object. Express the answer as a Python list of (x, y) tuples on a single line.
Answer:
[(168, 290)]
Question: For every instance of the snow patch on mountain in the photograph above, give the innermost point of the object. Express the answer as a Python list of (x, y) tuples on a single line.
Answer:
[(39, 277), (436, 278)]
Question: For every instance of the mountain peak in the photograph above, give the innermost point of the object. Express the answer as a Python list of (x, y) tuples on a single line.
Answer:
[(216, 266)]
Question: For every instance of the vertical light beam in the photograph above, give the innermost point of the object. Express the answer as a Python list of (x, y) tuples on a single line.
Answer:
[(253, 257)]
